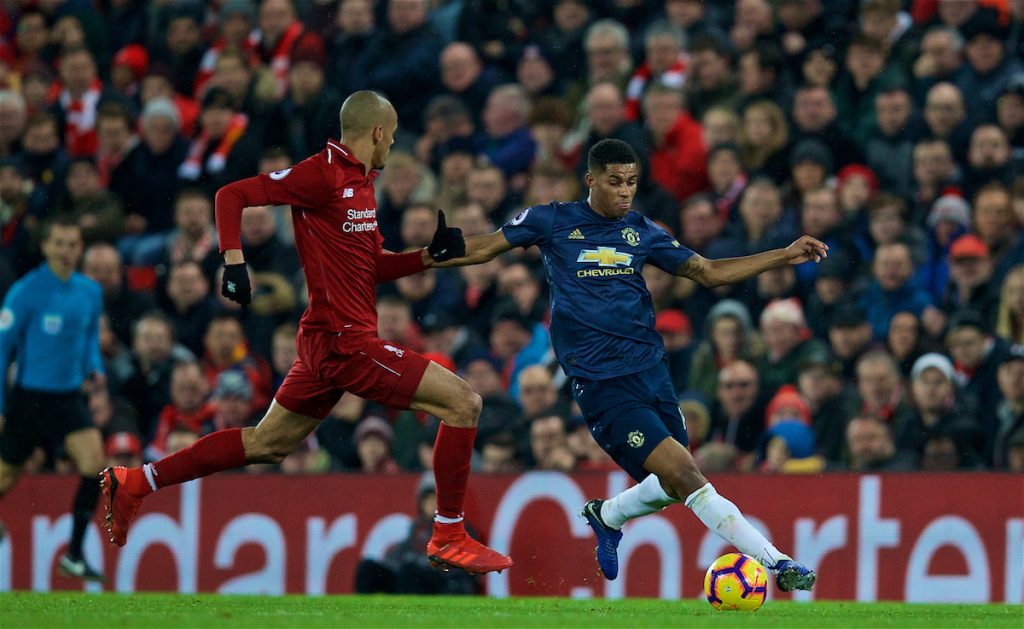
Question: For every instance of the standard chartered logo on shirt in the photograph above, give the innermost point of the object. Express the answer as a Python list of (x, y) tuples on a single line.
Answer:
[(360, 221)]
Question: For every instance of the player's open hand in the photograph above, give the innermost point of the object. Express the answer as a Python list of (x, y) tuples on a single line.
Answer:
[(235, 284), (806, 248), (447, 242)]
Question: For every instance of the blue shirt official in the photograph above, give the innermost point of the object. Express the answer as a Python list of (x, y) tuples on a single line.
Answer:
[(602, 316), (50, 328)]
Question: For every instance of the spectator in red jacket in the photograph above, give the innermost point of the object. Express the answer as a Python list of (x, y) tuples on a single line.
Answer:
[(189, 407), (227, 348), (679, 157)]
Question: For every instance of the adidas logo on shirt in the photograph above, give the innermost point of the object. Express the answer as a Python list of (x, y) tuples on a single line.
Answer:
[(576, 234)]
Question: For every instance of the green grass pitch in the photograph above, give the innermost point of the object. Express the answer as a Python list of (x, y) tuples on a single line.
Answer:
[(155, 611)]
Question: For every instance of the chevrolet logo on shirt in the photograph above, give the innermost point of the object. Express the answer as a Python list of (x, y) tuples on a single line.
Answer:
[(608, 259)]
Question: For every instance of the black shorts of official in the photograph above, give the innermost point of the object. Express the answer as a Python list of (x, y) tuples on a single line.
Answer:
[(630, 415), (40, 419)]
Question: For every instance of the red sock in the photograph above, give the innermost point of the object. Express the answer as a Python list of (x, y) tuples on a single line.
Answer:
[(452, 451), (217, 451)]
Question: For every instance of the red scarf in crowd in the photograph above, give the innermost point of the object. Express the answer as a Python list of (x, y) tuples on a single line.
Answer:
[(80, 120), (279, 58), (674, 77), (192, 167)]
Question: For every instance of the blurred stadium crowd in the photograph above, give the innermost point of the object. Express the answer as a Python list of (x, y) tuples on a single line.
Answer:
[(891, 129)]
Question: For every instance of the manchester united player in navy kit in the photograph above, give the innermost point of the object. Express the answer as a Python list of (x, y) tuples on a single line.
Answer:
[(336, 234), (602, 328)]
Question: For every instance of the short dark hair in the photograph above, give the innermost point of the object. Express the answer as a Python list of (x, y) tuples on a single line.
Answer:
[(114, 110), (863, 40), (154, 315), (63, 221), (769, 57), (225, 317), (41, 118), (608, 152)]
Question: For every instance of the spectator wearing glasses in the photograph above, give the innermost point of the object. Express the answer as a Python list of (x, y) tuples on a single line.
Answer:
[(737, 415)]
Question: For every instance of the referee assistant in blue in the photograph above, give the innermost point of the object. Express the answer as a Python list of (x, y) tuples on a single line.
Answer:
[(49, 326)]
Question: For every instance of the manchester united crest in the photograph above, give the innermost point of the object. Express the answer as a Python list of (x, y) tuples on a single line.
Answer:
[(631, 236)]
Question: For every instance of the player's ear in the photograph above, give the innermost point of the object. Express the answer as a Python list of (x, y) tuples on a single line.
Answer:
[(589, 179), (378, 134)]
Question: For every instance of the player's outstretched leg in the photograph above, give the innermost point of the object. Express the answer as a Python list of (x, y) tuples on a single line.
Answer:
[(676, 476), (723, 517), (124, 489), (445, 395)]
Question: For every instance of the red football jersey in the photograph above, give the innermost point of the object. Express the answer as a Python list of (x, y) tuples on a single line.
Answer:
[(334, 212)]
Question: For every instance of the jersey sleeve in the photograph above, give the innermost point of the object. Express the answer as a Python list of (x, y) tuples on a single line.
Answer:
[(532, 226), (93, 357), (14, 317), (666, 252), (304, 185)]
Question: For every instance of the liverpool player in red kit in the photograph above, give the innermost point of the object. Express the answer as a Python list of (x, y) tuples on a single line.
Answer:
[(334, 211)]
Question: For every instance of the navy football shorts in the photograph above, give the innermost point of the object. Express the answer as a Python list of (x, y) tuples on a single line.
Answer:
[(41, 418), (630, 415)]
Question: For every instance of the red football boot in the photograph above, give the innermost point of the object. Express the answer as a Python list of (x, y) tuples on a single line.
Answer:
[(451, 547), (124, 489)]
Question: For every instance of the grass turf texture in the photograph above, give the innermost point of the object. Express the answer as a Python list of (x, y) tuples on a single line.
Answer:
[(23, 609)]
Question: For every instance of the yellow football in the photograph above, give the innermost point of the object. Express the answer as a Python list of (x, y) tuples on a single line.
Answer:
[(736, 582)]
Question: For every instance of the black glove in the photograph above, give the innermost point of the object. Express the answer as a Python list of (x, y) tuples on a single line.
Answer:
[(447, 243), (235, 285)]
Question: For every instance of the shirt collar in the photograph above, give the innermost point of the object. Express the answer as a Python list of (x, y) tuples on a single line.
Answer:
[(345, 155)]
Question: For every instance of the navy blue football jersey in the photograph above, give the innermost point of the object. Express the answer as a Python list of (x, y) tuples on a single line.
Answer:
[(602, 317)]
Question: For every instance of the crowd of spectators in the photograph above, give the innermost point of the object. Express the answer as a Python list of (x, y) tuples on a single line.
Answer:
[(893, 130)]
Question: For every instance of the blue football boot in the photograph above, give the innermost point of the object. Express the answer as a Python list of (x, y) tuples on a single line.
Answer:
[(790, 575), (607, 540)]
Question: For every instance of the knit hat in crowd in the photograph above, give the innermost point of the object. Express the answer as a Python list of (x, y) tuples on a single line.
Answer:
[(161, 107), (233, 383), (729, 308), (788, 397), (374, 426), (135, 57), (812, 151), (672, 321), (967, 318), (950, 207), (968, 246), (785, 310), (932, 360), (857, 170), (238, 7), (309, 49)]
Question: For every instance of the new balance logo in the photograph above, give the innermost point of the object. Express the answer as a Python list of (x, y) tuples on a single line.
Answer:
[(576, 234), (348, 193)]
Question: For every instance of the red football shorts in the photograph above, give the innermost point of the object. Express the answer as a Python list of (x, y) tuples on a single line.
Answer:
[(329, 365)]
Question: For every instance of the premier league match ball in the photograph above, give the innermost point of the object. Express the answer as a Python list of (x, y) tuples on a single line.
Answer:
[(736, 582)]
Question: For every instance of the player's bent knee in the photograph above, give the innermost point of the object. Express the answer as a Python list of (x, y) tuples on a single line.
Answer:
[(471, 407), (465, 410), (683, 481), (259, 450), (475, 405)]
